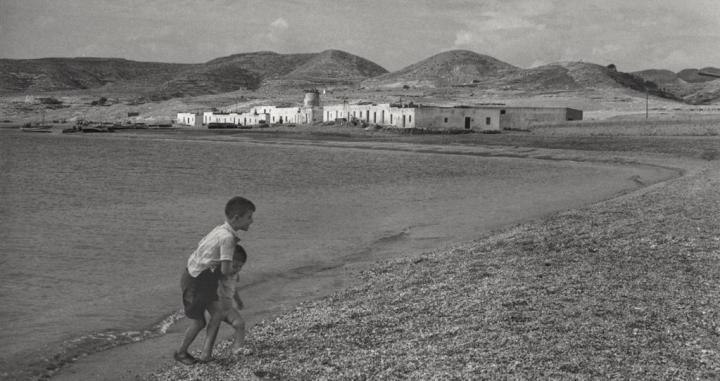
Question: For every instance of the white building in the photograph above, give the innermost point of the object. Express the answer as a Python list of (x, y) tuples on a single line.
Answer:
[(262, 109), (466, 118), (239, 119), (193, 119), (415, 116), (220, 117), (477, 118)]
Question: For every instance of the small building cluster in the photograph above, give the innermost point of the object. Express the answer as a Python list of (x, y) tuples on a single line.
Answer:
[(481, 118)]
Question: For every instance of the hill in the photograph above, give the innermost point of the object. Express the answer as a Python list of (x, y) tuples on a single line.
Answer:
[(208, 79), (336, 65), (659, 76), (270, 74), (569, 76), (328, 68), (461, 68), (57, 74), (699, 75), (693, 86), (455, 67), (263, 64), (247, 71)]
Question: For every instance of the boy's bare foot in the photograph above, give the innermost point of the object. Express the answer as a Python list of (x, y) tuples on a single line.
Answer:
[(204, 360), (242, 351), (184, 358)]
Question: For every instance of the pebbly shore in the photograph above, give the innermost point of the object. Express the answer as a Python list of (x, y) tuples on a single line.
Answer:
[(627, 288)]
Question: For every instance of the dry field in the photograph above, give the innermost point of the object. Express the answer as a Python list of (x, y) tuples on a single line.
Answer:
[(628, 288), (689, 126)]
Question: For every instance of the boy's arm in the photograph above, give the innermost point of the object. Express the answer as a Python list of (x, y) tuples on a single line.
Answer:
[(227, 248), (226, 268), (238, 301)]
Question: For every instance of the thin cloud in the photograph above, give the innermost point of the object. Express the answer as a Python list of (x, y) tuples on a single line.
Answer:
[(279, 24), (463, 38), (277, 29)]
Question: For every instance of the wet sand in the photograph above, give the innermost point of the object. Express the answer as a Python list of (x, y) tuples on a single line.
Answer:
[(274, 296)]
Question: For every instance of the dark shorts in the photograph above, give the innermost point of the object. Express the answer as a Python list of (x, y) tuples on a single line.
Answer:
[(198, 293)]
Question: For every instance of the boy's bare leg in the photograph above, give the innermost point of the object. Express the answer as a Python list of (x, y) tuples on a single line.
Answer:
[(217, 314), (234, 318), (196, 325)]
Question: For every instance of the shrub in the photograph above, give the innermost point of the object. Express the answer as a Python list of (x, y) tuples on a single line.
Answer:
[(99, 102), (50, 101), (710, 154)]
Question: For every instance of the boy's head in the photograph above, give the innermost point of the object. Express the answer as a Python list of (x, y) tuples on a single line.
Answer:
[(238, 213)]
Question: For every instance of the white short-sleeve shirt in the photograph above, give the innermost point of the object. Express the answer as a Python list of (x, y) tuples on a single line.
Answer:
[(218, 245)]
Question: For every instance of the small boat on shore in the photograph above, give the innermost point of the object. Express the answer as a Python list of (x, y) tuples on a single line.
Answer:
[(70, 130), (96, 129), (36, 129)]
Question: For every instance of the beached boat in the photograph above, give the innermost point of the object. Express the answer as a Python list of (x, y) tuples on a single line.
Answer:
[(70, 130), (36, 129), (97, 129)]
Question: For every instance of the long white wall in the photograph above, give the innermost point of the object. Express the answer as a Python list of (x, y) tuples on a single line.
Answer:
[(452, 118), (241, 119), (368, 113), (429, 117), (523, 117)]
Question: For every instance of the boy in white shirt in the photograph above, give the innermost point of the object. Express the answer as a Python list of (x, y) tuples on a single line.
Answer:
[(212, 259)]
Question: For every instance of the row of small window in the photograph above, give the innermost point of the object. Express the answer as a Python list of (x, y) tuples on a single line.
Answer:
[(488, 120), (367, 115)]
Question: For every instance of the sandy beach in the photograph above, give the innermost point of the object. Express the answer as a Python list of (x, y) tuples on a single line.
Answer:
[(142, 359), (625, 288)]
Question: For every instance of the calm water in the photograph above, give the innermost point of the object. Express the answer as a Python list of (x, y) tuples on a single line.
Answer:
[(94, 231)]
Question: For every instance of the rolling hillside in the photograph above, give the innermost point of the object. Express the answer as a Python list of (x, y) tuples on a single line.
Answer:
[(241, 71), (263, 64), (270, 72), (336, 65), (699, 75), (693, 86), (54, 74), (455, 67), (565, 76), (461, 68)]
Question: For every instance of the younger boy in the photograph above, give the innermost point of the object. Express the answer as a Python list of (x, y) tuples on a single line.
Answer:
[(212, 258), (229, 305)]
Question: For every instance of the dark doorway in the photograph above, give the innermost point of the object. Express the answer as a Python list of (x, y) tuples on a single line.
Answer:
[(403, 120), (467, 122)]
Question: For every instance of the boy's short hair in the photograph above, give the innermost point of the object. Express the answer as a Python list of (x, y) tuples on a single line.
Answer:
[(239, 255), (237, 206)]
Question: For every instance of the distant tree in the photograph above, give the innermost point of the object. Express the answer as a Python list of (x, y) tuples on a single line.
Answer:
[(50, 101), (612, 67), (99, 102)]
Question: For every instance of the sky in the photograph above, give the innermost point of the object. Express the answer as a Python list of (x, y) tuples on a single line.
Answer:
[(632, 34)]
